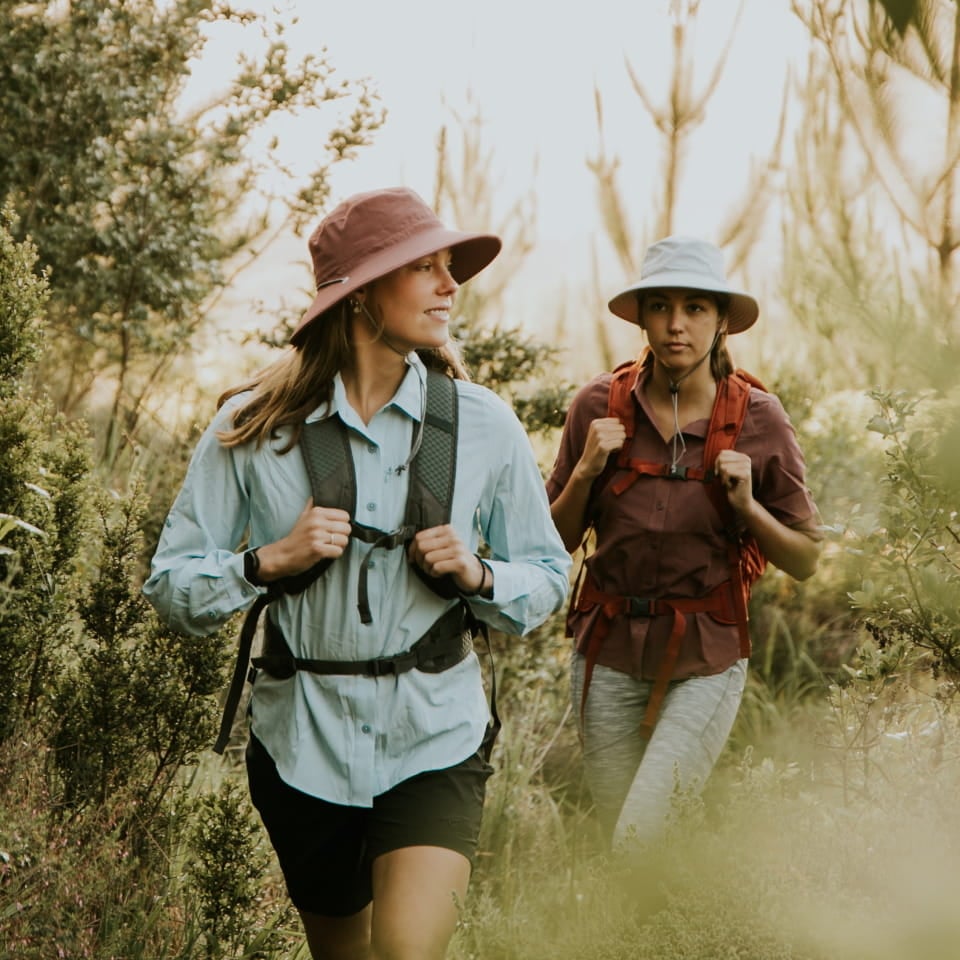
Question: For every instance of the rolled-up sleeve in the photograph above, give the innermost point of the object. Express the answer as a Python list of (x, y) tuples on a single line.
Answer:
[(531, 566), (196, 578)]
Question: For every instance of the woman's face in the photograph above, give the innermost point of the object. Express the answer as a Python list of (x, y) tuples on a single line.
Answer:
[(414, 302), (680, 325)]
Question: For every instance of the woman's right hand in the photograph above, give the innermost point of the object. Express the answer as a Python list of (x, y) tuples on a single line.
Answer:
[(604, 436), (569, 510), (319, 533)]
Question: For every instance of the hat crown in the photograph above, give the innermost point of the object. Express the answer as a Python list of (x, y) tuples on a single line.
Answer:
[(688, 256), (686, 263), (362, 226), (369, 235)]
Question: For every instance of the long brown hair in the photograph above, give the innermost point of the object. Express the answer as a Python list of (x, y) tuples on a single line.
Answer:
[(721, 363), (292, 387)]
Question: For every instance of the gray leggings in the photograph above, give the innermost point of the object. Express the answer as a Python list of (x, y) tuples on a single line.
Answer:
[(632, 783)]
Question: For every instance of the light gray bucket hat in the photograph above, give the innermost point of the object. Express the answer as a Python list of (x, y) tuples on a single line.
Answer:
[(688, 263)]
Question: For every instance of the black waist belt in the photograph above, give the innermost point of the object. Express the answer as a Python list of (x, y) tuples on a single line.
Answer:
[(443, 646)]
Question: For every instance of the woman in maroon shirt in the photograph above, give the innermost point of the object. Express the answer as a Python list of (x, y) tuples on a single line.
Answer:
[(660, 617)]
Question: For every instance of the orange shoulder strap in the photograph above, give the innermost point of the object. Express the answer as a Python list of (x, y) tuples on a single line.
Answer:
[(729, 410), (620, 402)]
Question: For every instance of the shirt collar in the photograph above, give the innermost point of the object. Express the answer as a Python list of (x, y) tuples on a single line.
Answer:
[(409, 397)]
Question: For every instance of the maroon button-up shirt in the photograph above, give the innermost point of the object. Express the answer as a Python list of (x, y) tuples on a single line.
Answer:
[(664, 537)]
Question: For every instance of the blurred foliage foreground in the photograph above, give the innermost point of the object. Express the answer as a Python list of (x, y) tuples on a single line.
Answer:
[(829, 831)]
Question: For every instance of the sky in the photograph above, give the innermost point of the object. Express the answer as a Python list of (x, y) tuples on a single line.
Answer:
[(531, 69)]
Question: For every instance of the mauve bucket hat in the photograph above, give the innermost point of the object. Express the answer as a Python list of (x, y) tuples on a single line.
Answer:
[(371, 234), (687, 263)]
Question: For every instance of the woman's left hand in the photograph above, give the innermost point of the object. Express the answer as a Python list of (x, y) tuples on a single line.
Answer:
[(439, 551), (735, 472)]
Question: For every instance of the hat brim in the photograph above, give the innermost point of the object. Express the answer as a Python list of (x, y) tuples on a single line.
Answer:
[(742, 314), (471, 253)]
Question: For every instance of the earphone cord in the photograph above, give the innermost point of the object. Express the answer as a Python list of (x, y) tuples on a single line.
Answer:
[(380, 331), (418, 435), (677, 435), (674, 393)]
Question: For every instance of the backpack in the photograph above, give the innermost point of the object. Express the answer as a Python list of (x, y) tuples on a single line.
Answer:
[(325, 445), (729, 601)]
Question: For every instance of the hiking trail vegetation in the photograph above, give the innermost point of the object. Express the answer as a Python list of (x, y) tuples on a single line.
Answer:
[(830, 830)]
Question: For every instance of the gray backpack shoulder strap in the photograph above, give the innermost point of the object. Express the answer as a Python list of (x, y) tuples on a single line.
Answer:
[(434, 468), (326, 452)]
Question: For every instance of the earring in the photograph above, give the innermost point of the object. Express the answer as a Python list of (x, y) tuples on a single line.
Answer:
[(355, 304)]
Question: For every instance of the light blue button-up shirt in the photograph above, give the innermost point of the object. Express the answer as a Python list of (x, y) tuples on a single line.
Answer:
[(348, 739)]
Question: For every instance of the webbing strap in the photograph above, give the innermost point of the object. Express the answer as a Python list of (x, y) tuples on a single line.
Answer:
[(235, 690), (645, 468), (721, 602), (741, 590), (388, 541), (447, 642), (443, 645), (493, 727)]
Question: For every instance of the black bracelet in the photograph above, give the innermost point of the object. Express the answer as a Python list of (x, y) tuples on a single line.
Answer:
[(483, 580), (251, 568), (483, 583)]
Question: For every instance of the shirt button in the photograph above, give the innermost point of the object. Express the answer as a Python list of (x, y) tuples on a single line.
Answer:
[(168, 522), (372, 448), (371, 506), (371, 564), (365, 728), (211, 614), (659, 506)]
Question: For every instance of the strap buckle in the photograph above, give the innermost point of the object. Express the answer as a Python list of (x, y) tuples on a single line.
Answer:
[(677, 472), (385, 666), (639, 607), (382, 539)]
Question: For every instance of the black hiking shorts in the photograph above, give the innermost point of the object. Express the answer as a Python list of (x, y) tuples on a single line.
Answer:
[(326, 851)]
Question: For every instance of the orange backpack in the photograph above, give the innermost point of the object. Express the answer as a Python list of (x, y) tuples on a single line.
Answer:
[(730, 599)]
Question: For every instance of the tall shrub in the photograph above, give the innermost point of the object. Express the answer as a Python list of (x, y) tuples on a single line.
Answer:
[(140, 205), (42, 496)]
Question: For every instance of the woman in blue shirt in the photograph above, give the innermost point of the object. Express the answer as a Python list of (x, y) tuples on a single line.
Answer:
[(370, 782)]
